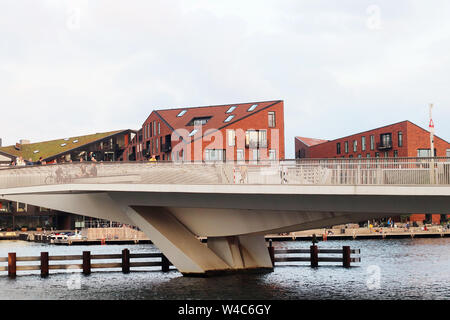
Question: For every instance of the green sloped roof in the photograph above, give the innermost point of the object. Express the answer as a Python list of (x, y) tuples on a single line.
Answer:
[(52, 148)]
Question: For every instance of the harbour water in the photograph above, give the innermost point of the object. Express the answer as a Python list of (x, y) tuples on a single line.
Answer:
[(390, 269)]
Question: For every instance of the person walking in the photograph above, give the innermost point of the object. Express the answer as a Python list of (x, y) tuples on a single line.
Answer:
[(152, 159)]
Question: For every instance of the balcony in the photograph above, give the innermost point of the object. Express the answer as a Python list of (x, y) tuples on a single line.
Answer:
[(384, 145)]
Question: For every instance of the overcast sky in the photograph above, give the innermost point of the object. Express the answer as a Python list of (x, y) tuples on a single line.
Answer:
[(70, 68)]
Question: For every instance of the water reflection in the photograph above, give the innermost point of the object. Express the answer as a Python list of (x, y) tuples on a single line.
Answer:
[(408, 269)]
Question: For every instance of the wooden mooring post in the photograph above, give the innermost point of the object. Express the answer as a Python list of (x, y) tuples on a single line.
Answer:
[(314, 251), (12, 264), (126, 261), (86, 262), (271, 252), (346, 256), (44, 264)]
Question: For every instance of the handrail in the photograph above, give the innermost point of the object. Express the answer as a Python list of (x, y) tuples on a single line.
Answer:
[(356, 171)]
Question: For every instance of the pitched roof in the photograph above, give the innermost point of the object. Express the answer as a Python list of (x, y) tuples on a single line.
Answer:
[(52, 148), (311, 141), (218, 114)]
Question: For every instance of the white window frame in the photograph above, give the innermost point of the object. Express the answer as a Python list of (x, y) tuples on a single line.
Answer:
[(231, 138)]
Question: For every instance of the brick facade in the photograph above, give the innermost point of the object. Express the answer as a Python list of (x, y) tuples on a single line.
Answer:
[(413, 138), (161, 125)]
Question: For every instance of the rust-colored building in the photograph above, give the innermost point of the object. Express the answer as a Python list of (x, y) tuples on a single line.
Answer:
[(245, 131), (402, 139)]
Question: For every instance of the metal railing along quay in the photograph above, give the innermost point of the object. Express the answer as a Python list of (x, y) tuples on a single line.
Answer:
[(348, 171)]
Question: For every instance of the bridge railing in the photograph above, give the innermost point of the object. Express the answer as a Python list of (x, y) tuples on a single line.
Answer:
[(373, 171)]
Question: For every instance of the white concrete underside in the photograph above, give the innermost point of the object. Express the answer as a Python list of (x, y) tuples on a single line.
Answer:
[(235, 218)]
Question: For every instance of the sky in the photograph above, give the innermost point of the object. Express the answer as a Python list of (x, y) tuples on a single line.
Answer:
[(78, 67)]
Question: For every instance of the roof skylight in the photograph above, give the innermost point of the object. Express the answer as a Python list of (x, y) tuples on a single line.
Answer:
[(231, 109), (182, 113), (63, 144), (253, 107), (36, 151), (228, 119), (75, 141)]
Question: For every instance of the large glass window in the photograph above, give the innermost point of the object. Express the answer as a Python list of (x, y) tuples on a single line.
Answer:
[(262, 139), (424, 153), (372, 142), (338, 148), (346, 146), (214, 155), (400, 139), (355, 145), (363, 143)]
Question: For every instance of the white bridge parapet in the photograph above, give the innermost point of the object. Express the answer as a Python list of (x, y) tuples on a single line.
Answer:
[(362, 171), (232, 204)]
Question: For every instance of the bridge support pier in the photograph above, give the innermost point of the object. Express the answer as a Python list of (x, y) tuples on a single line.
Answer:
[(189, 255), (247, 252)]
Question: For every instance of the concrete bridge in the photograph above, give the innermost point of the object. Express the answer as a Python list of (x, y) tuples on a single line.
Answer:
[(233, 204)]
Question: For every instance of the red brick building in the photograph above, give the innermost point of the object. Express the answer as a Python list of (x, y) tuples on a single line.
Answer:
[(402, 139), (245, 131)]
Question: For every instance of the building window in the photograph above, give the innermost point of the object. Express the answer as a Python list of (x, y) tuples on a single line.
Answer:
[(448, 153), (239, 154), (181, 113), (395, 154), (400, 139), (159, 127), (372, 142), (425, 153), (350, 156), (338, 148), (229, 118), (253, 107), (255, 139), (363, 143), (385, 140), (359, 156), (231, 137), (386, 154), (199, 121), (154, 128), (214, 155), (377, 154), (271, 116), (272, 154), (346, 146), (231, 109), (262, 139), (355, 145), (368, 155), (151, 130), (156, 146), (255, 154)]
